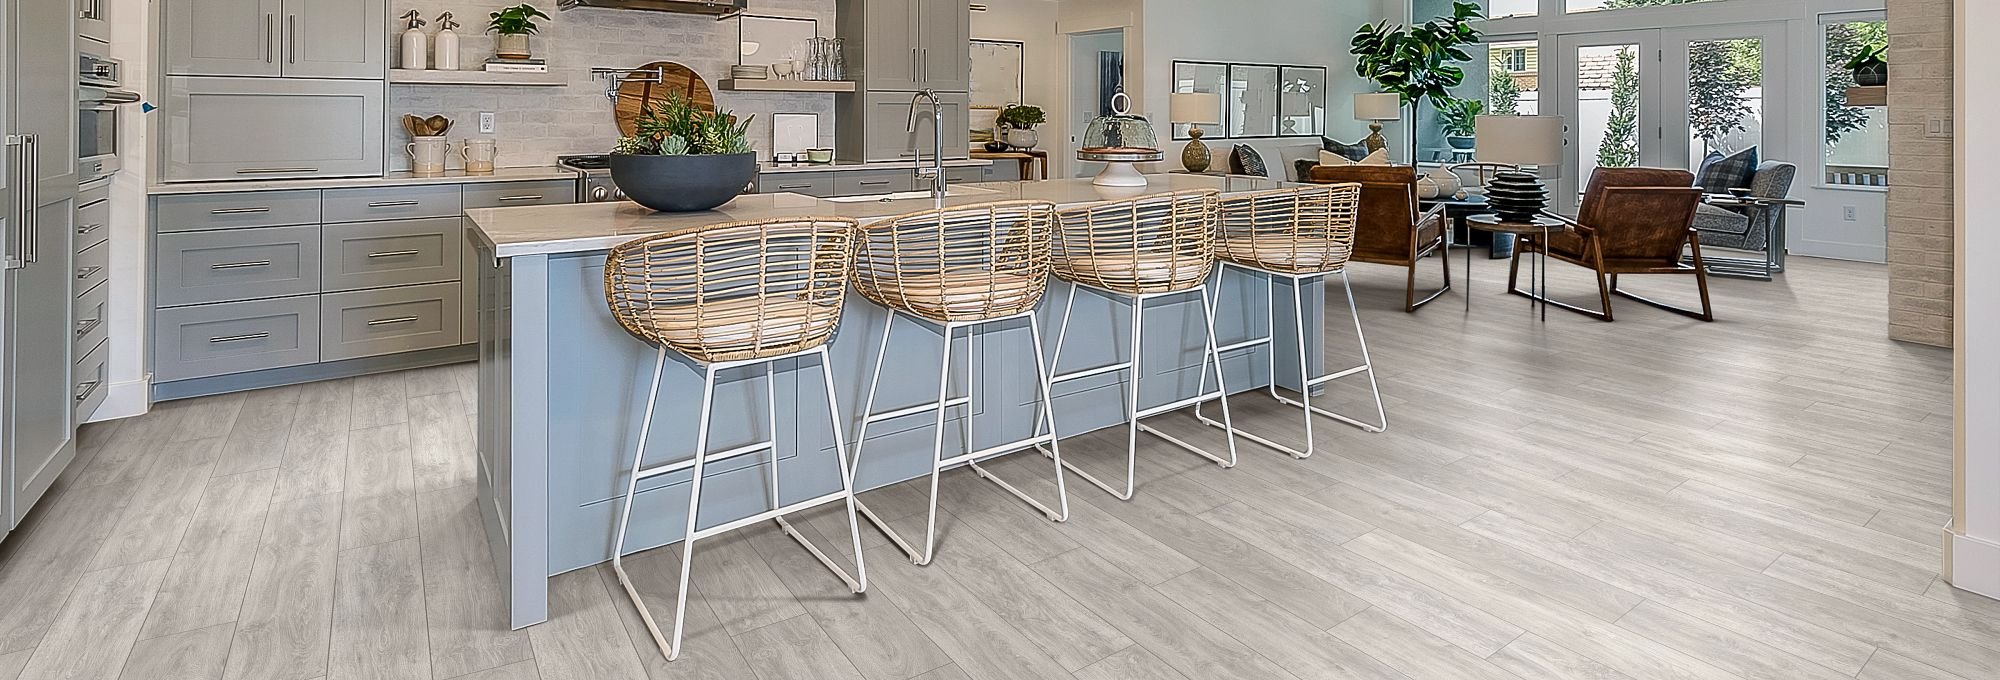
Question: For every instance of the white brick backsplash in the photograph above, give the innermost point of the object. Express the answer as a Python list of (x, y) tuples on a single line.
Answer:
[(533, 125)]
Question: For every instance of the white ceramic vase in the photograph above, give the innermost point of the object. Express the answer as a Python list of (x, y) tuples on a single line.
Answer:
[(1023, 138), (513, 46)]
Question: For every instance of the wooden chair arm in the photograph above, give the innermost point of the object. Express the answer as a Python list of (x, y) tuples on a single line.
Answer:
[(1570, 222)]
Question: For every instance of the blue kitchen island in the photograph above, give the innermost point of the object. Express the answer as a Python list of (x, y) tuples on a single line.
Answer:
[(562, 386)]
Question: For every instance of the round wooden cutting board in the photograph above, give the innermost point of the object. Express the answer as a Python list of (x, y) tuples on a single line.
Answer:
[(634, 95)]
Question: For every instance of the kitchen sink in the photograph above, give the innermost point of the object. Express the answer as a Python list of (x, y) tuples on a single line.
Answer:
[(909, 195)]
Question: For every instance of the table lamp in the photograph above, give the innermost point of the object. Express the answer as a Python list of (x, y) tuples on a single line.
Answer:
[(1196, 109), (1514, 195), (1376, 107)]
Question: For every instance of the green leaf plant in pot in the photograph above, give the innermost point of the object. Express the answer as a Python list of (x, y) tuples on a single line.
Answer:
[(1869, 66), (511, 27), (1417, 62), (1460, 118), (683, 158), (1018, 122)]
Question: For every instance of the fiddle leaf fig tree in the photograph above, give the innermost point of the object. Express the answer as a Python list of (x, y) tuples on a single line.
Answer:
[(1418, 62)]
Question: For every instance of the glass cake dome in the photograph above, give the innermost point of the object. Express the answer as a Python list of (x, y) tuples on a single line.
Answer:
[(1120, 137)]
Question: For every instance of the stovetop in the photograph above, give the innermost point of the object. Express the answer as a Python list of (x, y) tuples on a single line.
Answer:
[(586, 163)]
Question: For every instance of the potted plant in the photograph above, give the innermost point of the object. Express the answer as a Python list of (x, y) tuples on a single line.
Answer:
[(1018, 123), (1420, 61), (1869, 67), (683, 158), (1461, 121), (512, 26)]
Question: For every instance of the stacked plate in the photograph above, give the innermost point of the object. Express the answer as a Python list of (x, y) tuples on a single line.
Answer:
[(741, 72), (1516, 197)]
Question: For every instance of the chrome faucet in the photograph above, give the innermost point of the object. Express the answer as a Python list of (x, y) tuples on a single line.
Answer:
[(935, 173)]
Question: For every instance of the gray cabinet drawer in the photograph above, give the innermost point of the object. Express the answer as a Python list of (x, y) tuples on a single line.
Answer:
[(90, 385), (808, 183), (195, 212), (966, 175), (215, 266), (93, 266), (93, 221), (270, 128), (511, 194), (90, 319), (235, 337), (395, 253), (390, 203), (866, 182), (389, 320)]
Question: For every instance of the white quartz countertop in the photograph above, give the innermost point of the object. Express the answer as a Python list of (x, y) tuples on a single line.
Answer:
[(587, 227), (394, 179), (770, 168)]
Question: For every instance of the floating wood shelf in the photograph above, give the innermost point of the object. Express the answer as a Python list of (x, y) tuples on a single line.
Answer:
[(415, 77), (1877, 95), (782, 85)]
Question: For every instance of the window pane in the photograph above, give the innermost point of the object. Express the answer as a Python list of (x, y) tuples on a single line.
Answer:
[(1595, 5), (1607, 106), (1501, 9), (1857, 138), (1725, 97), (1504, 77)]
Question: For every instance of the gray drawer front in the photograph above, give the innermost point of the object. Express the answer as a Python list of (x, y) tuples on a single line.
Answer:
[(217, 266), (511, 194), (229, 211), (93, 266), (808, 183), (93, 223), (90, 385), (863, 183), (235, 337), (401, 252), (386, 321), (91, 323), (966, 175), (389, 203)]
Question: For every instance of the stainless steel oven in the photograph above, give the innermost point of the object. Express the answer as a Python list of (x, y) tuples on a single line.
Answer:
[(98, 132)]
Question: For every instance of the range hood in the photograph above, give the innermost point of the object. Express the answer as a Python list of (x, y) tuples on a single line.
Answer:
[(709, 7)]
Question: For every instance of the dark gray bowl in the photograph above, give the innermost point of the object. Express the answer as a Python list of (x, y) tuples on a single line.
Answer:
[(683, 183)]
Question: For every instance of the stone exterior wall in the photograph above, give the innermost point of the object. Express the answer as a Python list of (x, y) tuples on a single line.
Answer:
[(1920, 172), (533, 125)]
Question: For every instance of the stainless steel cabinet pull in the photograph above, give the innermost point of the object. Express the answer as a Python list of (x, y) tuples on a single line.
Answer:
[(85, 326), (240, 265), (88, 272), (393, 253), (523, 197), (34, 189), (394, 204), (394, 320), (239, 338), (291, 38), (268, 171), (239, 211), (16, 157), (88, 228), (875, 183), (84, 389), (795, 186), (270, 36)]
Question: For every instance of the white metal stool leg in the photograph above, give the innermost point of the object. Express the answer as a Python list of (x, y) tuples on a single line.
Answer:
[(631, 491)]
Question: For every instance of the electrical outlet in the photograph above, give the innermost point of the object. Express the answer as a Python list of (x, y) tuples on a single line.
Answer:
[(486, 122), (1847, 213)]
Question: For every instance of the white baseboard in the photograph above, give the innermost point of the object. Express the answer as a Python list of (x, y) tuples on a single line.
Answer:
[(1972, 564), (124, 400)]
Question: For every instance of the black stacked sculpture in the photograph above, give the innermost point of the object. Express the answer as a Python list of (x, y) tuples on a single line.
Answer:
[(1516, 196)]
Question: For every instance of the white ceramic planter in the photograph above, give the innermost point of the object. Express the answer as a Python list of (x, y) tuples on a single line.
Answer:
[(513, 46)]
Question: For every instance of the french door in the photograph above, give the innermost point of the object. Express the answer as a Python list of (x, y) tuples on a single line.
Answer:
[(1668, 98)]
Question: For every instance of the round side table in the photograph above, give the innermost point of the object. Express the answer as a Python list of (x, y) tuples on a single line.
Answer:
[(1538, 272)]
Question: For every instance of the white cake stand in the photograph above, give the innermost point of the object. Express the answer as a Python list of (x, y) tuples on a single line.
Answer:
[(1120, 167)]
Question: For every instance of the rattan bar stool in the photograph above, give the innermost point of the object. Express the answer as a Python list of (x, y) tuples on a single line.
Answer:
[(1301, 234), (1135, 252), (950, 269), (726, 297)]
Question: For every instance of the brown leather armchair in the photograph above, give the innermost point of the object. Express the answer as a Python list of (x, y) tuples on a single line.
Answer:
[(1388, 229), (1633, 221)]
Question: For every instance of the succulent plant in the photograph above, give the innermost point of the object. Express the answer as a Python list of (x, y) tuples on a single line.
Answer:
[(675, 127), (674, 145)]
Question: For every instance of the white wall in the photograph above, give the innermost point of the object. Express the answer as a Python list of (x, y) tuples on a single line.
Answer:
[(1972, 544), (131, 42), (1032, 23)]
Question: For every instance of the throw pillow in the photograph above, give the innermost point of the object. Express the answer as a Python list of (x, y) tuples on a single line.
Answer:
[(1733, 171), (1244, 160), (1332, 159), (1352, 152)]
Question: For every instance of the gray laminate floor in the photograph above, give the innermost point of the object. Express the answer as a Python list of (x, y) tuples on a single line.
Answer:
[(1655, 498)]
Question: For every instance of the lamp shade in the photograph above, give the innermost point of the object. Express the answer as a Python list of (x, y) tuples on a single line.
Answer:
[(1521, 140), (1199, 108), (1378, 106)]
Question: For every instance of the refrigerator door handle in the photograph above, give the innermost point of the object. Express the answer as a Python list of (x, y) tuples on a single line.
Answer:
[(34, 191), (16, 149)]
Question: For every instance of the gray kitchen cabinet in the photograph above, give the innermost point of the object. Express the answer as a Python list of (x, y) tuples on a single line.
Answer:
[(818, 184), (883, 33), (263, 128), (236, 210), (38, 116), (392, 253), (223, 37), (294, 38), (366, 323), (93, 20), (235, 337), (967, 175), (871, 182), (883, 128), (944, 46), (198, 267), (335, 38)]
